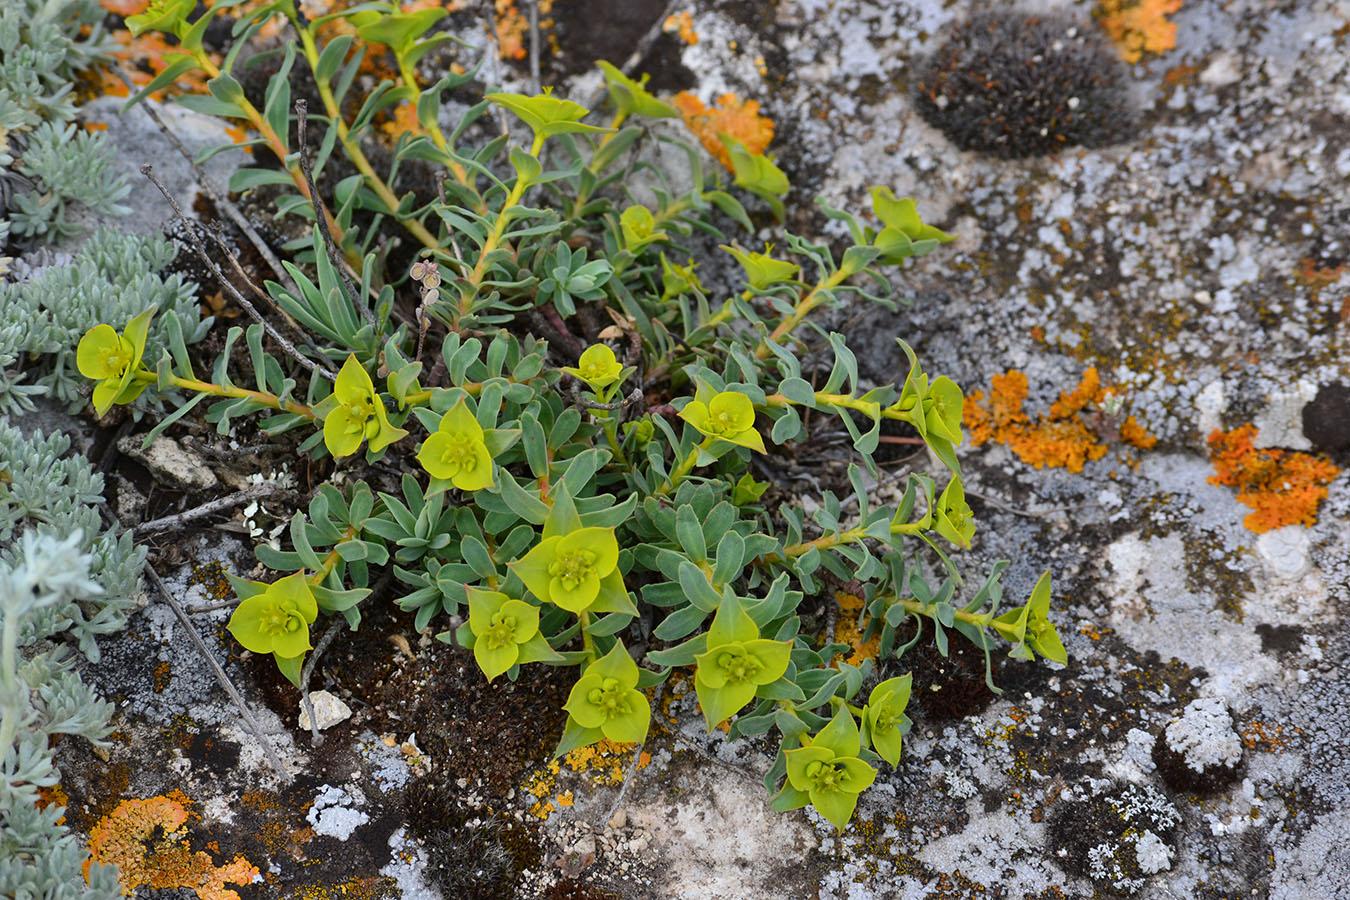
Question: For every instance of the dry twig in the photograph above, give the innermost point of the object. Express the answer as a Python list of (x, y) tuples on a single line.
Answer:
[(149, 172), (221, 678), (254, 492)]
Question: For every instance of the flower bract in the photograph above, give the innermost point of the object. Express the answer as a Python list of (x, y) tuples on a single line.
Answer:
[(277, 620), (598, 367), (828, 771), (578, 571), (631, 97), (1029, 627), (955, 520), (903, 229), (457, 452), (727, 416), (605, 700), (761, 269), (884, 722), (736, 664), (161, 15), (358, 415), (545, 114), (506, 632), (113, 359)]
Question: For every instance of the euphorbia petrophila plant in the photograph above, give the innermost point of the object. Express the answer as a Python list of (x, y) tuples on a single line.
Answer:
[(587, 502)]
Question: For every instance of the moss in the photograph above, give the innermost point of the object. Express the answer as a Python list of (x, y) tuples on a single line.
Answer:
[(1019, 86)]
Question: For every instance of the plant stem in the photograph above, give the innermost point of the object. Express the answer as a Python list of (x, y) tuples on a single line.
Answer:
[(686, 465), (802, 310), (494, 236), (277, 144), (587, 642), (272, 401), (353, 147)]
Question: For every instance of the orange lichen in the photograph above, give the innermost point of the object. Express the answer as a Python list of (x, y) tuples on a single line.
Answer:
[(403, 121), (1282, 487), (53, 796), (1059, 438), (683, 25), (1269, 738), (732, 116), (1139, 26), (1134, 434), (846, 631), (146, 840), (513, 28)]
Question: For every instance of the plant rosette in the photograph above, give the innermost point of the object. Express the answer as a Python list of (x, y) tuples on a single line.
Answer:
[(726, 416), (737, 663), (505, 632), (457, 451), (605, 703), (884, 722), (112, 360), (826, 771), (1029, 627), (355, 413), (276, 620)]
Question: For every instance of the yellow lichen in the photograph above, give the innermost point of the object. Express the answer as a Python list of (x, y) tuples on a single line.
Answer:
[(1139, 26), (846, 630), (732, 116), (1281, 486), (146, 840)]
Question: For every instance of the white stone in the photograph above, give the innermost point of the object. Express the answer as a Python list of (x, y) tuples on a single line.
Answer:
[(334, 812), (1285, 550), (1280, 424), (328, 710), (170, 462)]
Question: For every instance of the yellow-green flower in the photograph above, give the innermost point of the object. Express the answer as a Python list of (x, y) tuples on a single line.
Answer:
[(632, 97), (457, 451), (605, 701), (161, 15), (737, 663), (277, 620), (942, 409), (761, 269), (727, 416), (884, 722), (955, 520), (358, 414), (113, 359), (506, 632), (677, 280), (638, 226), (827, 773), (598, 367), (1029, 627), (578, 571)]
